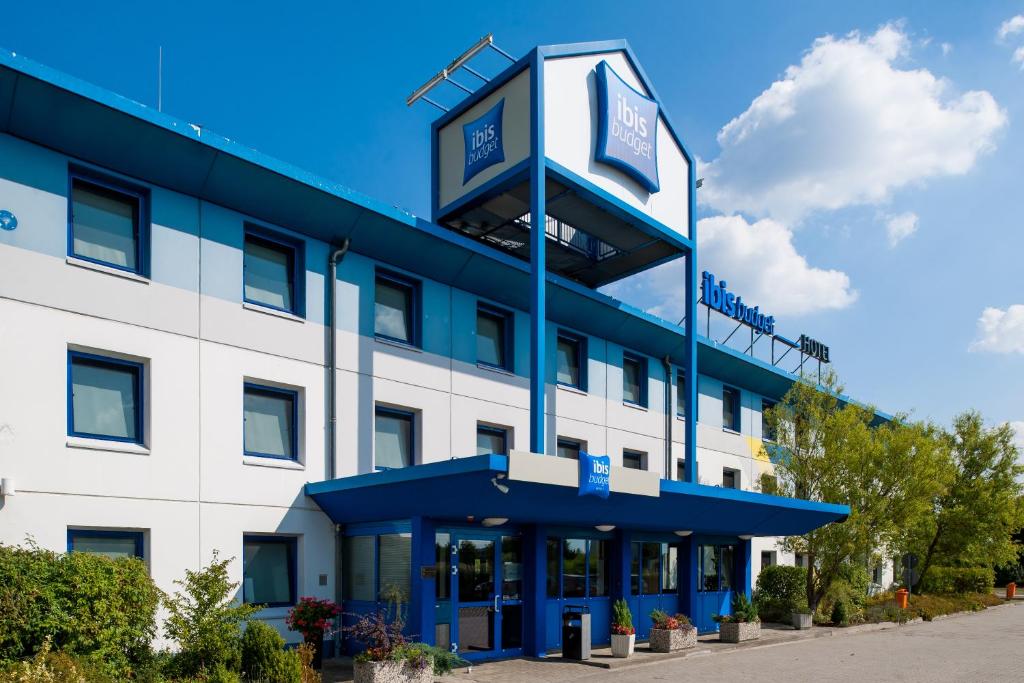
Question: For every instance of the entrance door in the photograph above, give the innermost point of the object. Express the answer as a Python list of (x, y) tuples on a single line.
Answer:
[(715, 579), (487, 590)]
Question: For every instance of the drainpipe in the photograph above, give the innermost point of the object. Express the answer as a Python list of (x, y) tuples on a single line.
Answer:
[(668, 416), (332, 382)]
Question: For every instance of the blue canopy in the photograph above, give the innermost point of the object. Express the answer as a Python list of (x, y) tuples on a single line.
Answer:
[(463, 490)]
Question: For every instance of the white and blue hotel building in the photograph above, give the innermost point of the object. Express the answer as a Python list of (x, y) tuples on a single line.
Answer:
[(204, 349)]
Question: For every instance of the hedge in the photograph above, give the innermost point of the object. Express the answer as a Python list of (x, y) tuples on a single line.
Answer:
[(780, 590), (957, 580), (83, 604)]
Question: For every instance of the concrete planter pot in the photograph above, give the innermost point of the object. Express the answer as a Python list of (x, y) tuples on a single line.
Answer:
[(670, 640), (802, 620), (737, 632), (622, 645), (391, 672)]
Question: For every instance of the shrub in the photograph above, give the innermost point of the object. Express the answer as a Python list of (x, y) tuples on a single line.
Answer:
[(780, 591), (264, 657), (53, 667), (662, 620), (743, 611), (205, 621), (622, 619), (840, 613), (311, 617), (382, 638), (88, 606), (962, 580)]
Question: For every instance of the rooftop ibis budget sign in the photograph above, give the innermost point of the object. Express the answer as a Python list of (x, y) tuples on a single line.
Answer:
[(627, 136), (484, 144)]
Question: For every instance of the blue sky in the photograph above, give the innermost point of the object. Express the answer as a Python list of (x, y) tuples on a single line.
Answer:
[(862, 159)]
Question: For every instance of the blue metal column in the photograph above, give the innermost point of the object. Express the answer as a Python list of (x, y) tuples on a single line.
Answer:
[(687, 570), (690, 360), (744, 566), (535, 561), (693, 579), (538, 261), (423, 589)]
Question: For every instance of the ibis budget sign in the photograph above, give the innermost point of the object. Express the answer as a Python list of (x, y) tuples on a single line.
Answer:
[(484, 144), (627, 135), (595, 473)]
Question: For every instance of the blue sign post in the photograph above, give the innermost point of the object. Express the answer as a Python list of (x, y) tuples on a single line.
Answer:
[(627, 136), (595, 471), (484, 143)]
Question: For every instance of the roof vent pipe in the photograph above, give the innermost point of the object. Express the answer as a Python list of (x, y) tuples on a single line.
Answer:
[(332, 374)]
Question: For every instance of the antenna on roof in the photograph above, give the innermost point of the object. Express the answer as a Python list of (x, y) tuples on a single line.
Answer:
[(460, 62)]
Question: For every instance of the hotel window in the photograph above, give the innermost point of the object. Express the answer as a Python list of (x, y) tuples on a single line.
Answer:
[(394, 445), (767, 558), (681, 469), (730, 478), (800, 560), (494, 337), (767, 433), (578, 568), (106, 542), (272, 265), (107, 223), (654, 568), (634, 380), (358, 562), (491, 440), (634, 460), (105, 398), (680, 393), (571, 361), (731, 409), (268, 570), (569, 448), (717, 565), (270, 417), (395, 315)]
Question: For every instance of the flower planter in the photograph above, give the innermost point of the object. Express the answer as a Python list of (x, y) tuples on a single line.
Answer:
[(392, 672), (670, 640), (622, 645), (739, 631), (802, 620), (317, 642)]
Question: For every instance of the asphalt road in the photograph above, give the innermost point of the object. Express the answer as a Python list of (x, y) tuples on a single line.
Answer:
[(985, 646)]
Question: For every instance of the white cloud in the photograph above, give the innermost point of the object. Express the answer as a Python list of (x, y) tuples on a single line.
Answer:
[(1011, 26), (1000, 331), (846, 126), (1018, 57), (900, 227), (757, 259), (946, 48)]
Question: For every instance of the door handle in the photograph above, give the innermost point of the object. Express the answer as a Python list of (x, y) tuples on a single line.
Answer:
[(496, 602)]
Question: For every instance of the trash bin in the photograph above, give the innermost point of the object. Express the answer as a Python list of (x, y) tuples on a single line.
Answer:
[(576, 632), (901, 598)]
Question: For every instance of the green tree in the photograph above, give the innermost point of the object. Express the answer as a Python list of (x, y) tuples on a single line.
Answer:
[(834, 452), (205, 621), (975, 516)]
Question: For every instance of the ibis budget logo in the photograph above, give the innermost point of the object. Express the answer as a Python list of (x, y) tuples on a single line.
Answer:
[(484, 145), (595, 471), (627, 136)]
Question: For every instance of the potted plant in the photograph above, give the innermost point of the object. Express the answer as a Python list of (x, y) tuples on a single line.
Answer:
[(388, 657), (623, 633), (669, 634), (742, 624), (312, 618)]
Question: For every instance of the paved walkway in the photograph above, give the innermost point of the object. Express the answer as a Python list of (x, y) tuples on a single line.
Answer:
[(968, 647)]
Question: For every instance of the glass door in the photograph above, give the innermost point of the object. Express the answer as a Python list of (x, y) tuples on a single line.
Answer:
[(487, 595), (715, 581)]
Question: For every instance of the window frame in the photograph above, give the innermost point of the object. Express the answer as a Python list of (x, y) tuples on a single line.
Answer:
[(137, 536), (507, 319), (737, 420), (291, 542), (767, 404), (588, 539), (267, 389), (636, 582), (573, 443), (736, 478), (295, 251), (718, 555), (139, 370), (111, 184), (643, 378), (402, 414), (581, 358), (493, 430), (415, 305), (641, 457)]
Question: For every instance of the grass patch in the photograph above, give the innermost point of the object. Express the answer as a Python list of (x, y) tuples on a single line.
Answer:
[(883, 607)]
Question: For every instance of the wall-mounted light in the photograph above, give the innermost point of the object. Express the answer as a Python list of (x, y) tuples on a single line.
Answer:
[(605, 527), (7, 487), (498, 485), (683, 533), (493, 521), (745, 537)]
